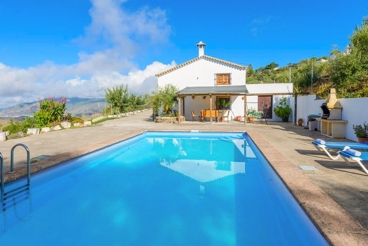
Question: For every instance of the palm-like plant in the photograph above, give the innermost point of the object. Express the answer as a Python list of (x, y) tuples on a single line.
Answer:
[(164, 98)]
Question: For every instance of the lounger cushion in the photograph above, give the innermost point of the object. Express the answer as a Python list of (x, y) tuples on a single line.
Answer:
[(341, 145), (363, 156), (353, 152), (320, 141)]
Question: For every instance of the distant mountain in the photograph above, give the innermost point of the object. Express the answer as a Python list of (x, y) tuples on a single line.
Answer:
[(75, 105)]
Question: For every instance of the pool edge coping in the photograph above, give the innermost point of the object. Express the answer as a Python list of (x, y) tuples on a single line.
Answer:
[(335, 223)]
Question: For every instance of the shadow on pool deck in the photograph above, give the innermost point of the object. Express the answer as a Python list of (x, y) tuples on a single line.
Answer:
[(335, 197)]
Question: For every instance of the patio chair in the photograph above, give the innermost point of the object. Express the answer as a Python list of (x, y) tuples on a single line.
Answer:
[(323, 145), (356, 156), (194, 116)]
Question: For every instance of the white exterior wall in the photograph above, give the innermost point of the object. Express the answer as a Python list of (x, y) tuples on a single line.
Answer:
[(237, 107), (252, 102), (307, 105), (276, 88), (270, 88), (195, 104), (201, 73), (354, 110)]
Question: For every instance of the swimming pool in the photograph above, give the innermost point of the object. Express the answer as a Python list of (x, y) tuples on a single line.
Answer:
[(160, 188)]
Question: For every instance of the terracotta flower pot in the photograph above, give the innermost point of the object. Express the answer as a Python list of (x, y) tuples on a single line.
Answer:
[(300, 122), (362, 140), (251, 119)]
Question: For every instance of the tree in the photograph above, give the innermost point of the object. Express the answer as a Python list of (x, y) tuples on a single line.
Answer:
[(250, 70), (272, 66), (282, 76), (359, 43), (132, 102), (345, 70), (349, 69), (117, 98), (164, 98)]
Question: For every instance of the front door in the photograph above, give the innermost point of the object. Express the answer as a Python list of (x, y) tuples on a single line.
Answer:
[(265, 105)]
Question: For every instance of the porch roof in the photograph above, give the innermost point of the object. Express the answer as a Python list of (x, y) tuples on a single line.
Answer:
[(214, 90)]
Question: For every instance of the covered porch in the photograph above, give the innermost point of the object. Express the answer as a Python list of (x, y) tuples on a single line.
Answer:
[(211, 111)]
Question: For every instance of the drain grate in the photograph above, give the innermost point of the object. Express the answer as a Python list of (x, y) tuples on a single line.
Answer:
[(308, 168)]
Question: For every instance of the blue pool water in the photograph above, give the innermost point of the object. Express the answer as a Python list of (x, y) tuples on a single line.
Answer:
[(160, 189)]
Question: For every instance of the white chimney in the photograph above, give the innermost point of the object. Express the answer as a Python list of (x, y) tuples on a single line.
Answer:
[(201, 48)]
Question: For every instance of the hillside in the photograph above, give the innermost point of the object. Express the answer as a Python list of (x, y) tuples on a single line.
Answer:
[(76, 106), (346, 70)]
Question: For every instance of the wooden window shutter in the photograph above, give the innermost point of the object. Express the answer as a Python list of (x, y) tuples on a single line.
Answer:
[(222, 79)]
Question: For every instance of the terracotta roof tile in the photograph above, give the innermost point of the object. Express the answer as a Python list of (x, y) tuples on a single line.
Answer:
[(198, 58)]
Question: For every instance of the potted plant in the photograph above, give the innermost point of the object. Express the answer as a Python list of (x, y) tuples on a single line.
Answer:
[(252, 114), (361, 131), (217, 104), (224, 104), (283, 110)]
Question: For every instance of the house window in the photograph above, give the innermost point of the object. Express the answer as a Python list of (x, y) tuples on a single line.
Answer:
[(222, 79), (223, 102)]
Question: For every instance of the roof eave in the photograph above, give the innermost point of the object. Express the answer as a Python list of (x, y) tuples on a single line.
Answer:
[(198, 58)]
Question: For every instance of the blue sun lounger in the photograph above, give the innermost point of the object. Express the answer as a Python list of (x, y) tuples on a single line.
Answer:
[(323, 145), (358, 158)]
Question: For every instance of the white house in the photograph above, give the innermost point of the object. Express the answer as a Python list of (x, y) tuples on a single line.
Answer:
[(206, 82)]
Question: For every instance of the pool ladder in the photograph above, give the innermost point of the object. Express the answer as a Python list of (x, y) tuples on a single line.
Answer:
[(20, 189)]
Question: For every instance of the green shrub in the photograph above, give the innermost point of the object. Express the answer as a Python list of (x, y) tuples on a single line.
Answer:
[(253, 113), (77, 120), (12, 127), (361, 131), (282, 110), (68, 117), (28, 123), (20, 126), (50, 111)]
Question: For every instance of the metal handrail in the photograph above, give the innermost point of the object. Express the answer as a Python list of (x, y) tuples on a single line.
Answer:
[(17, 190)]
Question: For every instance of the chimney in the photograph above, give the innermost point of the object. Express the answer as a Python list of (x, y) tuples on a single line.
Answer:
[(332, 101), (201, 48)]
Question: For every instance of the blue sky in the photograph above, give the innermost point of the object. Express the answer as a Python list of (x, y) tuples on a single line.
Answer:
[(80, 47)]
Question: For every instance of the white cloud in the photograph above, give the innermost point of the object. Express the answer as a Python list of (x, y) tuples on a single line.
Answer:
[(19, 85), (114, 38), (258, 25), (262, 20), (254, 31), (75, 82)]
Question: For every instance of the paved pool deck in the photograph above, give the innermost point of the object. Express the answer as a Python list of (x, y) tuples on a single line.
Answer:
[(335, 196)]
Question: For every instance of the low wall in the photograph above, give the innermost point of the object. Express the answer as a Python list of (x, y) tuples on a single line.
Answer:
[(169, 119)]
